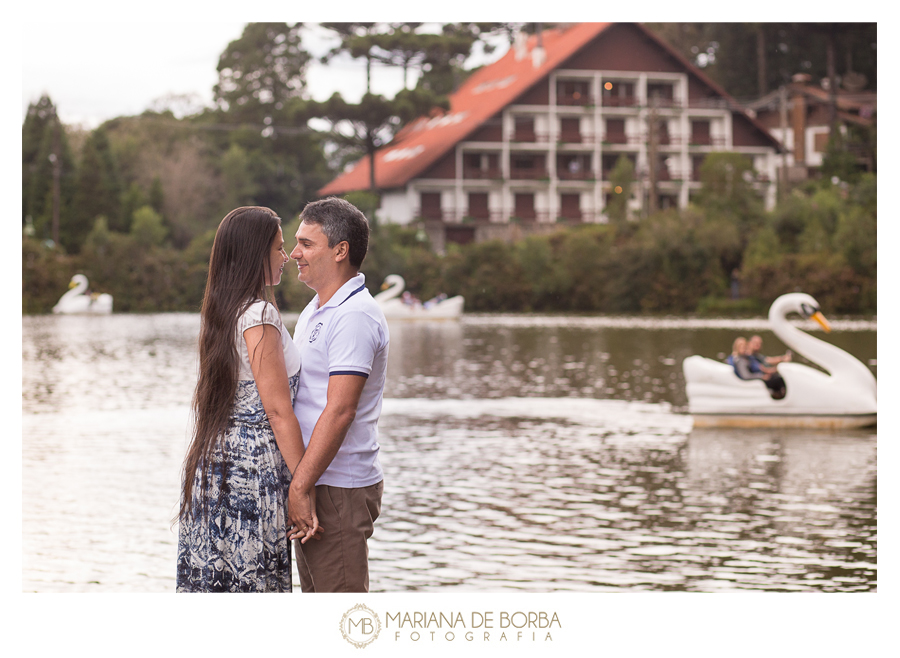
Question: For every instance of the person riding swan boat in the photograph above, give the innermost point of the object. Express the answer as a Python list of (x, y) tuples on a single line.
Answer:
[(76, 301), (393, 306), (845, 397)]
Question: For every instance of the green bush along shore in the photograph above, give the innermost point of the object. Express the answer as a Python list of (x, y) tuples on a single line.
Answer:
[(822, 240)]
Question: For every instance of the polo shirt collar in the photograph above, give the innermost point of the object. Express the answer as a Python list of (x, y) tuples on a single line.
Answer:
[(346, 291)]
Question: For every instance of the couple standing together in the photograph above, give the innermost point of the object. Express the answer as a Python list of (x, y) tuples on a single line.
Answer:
[(285, 438)]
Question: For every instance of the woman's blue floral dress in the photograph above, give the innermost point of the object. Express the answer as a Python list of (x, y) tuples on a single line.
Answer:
[(241, 546)]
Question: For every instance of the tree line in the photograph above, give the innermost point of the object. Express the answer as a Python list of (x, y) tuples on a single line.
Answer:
[(134, 203)]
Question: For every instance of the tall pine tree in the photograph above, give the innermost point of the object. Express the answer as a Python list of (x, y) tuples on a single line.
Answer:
[(44, 147), (97, 194)]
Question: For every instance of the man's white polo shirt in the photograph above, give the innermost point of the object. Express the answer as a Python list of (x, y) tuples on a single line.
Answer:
[(346, 336)]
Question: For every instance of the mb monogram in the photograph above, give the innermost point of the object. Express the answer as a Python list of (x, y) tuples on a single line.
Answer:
[(359, 625)]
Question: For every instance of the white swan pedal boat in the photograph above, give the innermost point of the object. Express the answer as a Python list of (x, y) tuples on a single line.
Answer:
[(76, 301), (843, 398), (394, 307)]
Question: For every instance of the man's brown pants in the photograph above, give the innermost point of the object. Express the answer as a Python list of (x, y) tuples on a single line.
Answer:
[(339, 561)]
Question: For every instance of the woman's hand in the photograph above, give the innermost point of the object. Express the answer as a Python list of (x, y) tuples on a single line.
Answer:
[(302, 516)]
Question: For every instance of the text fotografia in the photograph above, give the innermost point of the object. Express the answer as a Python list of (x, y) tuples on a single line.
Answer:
[(479, 626)]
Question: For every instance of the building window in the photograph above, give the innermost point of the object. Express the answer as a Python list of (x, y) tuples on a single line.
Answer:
[(573, 166), (430, 205), (662, 169), (615, 131), (530, 167), (662, 133), (570, 130), (610, 160), (473, 161), (618, 94), (524, 208), (481, 165), (661, 94), (478, 205), (700, 133), (570, 207), (573, 92), (525, 130)]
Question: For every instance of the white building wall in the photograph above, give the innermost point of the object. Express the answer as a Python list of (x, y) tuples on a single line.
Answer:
[(395, 207)]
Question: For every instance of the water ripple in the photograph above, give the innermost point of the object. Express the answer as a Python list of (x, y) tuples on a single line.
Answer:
[(548, 456)]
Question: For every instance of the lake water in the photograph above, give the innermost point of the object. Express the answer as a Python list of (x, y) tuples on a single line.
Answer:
[(521, 453)]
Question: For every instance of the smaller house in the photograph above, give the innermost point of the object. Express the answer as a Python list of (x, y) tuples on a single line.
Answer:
[(800, 116)]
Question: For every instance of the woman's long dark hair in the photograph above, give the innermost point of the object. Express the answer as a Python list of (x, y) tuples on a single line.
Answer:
[(237, 277)]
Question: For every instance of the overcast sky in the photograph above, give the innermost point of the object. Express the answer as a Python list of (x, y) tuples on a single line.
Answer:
[(97, 71)]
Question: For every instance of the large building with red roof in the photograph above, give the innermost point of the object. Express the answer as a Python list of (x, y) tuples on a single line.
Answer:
[(529, 141)]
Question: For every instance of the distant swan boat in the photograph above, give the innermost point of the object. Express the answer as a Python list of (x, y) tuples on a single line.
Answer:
[(844, 398), (75, 301), (394, 308)]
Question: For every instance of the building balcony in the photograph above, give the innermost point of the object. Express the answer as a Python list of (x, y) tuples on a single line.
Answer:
[(620, 101), (706, 140), (665, 103), (672, 141), (615, 138), (575, 99), (530, 136), (622, 139), (476, 173), (575, 138), (583, 174), (536, 173)]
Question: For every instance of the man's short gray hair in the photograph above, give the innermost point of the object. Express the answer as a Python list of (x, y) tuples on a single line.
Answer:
[(340, 221)]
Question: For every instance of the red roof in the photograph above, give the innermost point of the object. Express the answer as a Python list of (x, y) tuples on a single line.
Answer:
[(485, 93)]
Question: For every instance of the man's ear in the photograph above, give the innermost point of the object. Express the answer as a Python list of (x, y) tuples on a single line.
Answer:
[(341, 251)]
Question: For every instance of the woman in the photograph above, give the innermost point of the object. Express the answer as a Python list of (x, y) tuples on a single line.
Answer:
[(741, 361), (246, 440), (745, 368)]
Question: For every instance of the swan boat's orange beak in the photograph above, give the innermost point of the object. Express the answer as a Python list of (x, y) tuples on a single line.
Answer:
[(818, 317)]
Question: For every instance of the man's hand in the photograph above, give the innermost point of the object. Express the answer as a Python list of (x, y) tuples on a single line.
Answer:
[(302, 515)]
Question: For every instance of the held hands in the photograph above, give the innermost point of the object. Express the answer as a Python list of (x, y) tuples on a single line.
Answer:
[(302, 515)]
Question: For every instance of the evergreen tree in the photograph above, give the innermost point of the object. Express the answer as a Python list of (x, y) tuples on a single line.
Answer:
[(40, 117), (369, 124), (45, 146), (445, 57), (97, 192), (259, 72)]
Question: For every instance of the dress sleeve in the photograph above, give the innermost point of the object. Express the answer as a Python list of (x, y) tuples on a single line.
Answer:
[(259, 312)]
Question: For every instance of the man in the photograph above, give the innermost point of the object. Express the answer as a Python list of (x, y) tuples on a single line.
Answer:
[(755, 345), (759, 362), (343, 340)]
